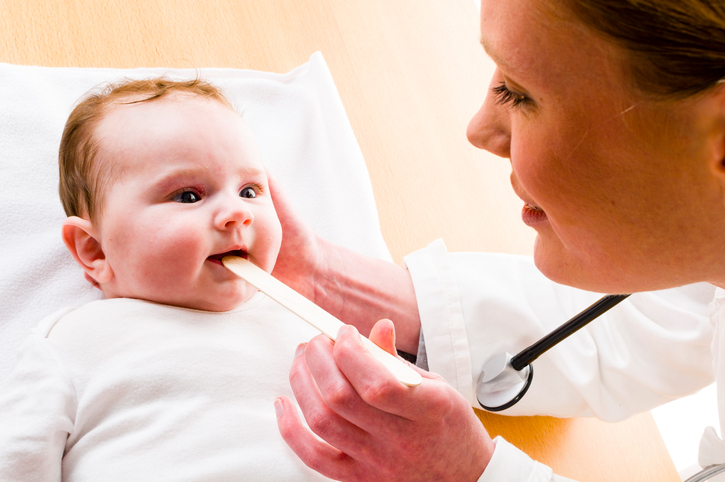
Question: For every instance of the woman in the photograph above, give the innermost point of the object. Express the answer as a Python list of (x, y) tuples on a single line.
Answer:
[(612, 113)]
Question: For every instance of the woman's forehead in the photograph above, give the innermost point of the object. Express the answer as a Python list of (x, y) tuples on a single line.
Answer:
[(538, 40)]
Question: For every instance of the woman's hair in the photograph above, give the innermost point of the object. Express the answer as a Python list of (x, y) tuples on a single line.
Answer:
[(676, 47), (82, 178)]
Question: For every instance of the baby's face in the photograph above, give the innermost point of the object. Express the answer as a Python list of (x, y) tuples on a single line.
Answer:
[(192, 188)]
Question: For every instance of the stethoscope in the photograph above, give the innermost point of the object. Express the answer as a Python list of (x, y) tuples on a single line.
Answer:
[(707, 473), (506, 378)]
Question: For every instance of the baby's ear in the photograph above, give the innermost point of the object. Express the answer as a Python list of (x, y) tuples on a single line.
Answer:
[(84, 244)]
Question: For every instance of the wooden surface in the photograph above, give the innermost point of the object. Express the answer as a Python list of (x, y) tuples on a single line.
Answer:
[(410, 73)]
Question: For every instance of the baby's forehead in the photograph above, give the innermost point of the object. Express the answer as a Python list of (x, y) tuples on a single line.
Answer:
[(150, 101), (135, 126), (135, 114)]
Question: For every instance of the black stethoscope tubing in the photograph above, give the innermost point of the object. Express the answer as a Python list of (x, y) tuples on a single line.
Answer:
[(531, 353), (526, 357)]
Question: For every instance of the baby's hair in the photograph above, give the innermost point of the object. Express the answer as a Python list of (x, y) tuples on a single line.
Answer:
[(82, 178)]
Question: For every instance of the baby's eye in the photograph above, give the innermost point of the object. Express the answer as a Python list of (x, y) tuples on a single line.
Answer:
[(248, 192), (187, 197)]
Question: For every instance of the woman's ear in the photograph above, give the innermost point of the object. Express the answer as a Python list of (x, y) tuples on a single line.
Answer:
[(717, 150), (84, 244)]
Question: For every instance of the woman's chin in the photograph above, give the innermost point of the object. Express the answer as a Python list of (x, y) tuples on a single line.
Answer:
[(567, 271), (562, 268)]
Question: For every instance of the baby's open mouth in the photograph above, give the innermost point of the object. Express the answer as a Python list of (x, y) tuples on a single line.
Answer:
[(217, 258)]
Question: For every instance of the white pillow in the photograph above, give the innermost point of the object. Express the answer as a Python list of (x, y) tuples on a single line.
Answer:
[(298, 119)]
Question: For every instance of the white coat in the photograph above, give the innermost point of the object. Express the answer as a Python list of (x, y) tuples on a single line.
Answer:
[(650, 349)]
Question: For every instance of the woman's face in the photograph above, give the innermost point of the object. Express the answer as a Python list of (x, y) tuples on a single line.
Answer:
[(620, 189)]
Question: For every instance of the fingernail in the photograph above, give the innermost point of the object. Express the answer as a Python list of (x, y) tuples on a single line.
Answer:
[(343, 329), (278, 407), (300, 349)]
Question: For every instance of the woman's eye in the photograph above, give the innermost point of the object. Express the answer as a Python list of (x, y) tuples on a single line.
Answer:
[(505, 96), (248, 192), (187, 197)]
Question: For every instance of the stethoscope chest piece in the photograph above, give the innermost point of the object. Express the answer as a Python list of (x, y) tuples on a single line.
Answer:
[(500, 385), (505, 378)]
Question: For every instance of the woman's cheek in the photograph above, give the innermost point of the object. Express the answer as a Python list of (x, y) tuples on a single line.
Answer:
[(530, 167)]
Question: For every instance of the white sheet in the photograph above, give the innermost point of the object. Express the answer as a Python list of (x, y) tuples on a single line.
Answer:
[(298, 119)]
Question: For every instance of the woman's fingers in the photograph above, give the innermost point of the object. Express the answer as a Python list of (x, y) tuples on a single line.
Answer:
[(337, 393), (371, 381), (383, 335), (299, 256), (319, 402), (315, 453), (382, 429)]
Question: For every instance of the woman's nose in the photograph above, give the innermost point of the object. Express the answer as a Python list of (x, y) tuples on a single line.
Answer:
[(233, 214), (490, 128)]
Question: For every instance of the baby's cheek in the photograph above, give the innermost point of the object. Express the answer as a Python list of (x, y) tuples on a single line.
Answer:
[(167, 250), (271, 240), (179, 249)]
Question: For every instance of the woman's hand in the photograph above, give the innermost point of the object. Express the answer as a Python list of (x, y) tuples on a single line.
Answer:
[(353, 287), (301, 254), (374, 428)]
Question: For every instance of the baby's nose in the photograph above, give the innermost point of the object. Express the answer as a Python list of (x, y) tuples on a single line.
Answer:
[(234, 215)]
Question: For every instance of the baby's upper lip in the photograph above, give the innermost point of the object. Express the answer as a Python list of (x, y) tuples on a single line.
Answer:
[(241, 252)]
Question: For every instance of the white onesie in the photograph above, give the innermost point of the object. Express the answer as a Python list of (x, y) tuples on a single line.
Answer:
[(123, 390)]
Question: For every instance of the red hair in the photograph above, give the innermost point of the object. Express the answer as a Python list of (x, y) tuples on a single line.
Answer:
[(82, 178)]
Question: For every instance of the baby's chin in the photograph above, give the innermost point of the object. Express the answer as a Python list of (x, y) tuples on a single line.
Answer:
[(228, 302), (219, 301), (222, 298)]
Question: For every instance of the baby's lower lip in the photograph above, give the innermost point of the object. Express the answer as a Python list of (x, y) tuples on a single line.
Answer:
[(217, 258), (532, 215)]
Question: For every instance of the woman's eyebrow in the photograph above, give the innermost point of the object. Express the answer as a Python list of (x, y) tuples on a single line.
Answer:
[(491, 52), (487, 48)]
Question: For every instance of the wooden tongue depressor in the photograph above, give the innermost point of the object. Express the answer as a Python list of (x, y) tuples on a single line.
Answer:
[(313, 314)]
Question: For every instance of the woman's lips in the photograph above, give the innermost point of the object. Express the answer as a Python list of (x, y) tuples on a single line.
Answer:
[(532, 215)]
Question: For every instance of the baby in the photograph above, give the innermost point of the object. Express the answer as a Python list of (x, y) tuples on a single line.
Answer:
[(172, 376)]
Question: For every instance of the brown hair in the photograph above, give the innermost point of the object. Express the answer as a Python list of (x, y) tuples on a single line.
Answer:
[(82, 178), (676, 47)]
